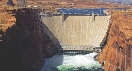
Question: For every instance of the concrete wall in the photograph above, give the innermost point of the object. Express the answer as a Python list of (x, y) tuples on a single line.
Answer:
[(78, 29)]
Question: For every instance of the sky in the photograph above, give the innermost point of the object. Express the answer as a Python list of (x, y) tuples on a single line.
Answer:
[(123, 1)]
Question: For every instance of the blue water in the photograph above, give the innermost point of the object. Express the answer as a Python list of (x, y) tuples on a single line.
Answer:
[(96, 11), (82, 11)]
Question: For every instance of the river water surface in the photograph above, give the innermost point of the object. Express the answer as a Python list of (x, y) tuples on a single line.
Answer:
[(66, 62)]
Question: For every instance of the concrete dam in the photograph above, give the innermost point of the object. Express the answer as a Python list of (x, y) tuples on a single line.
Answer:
[(77, 31)]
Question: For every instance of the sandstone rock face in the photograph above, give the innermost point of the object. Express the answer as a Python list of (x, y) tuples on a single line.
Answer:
[(3, 0), (6, 18), (25, 45), (117, 53)]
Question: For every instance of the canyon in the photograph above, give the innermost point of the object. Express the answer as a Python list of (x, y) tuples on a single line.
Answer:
[(24, 43)]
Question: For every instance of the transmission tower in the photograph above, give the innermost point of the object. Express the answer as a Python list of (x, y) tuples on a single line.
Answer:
[(24, 3), (100, 0), (10, 2)]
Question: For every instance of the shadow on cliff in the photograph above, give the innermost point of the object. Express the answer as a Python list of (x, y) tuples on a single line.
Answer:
[(9, 51), (25, 44)]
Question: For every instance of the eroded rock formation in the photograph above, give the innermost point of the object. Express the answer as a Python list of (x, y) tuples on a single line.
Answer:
[(117, 53), (25, 44)]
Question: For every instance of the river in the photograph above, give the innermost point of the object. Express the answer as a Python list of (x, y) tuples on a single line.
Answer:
[(66, 62)]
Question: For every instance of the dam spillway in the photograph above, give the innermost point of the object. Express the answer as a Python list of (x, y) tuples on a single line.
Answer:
[(76, 29)]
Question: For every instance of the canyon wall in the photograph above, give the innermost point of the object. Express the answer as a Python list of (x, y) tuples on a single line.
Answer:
[(24, 44), (117, 53)]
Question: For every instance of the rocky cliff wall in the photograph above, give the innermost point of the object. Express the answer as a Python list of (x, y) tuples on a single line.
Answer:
[(6, 18), (117, 53), (25, 44)]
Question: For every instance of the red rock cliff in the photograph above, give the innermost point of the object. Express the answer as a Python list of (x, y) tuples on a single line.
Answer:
[(24, 45), (117, 53)]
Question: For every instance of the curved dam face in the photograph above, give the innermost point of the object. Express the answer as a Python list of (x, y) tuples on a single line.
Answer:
[(77, 30)]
